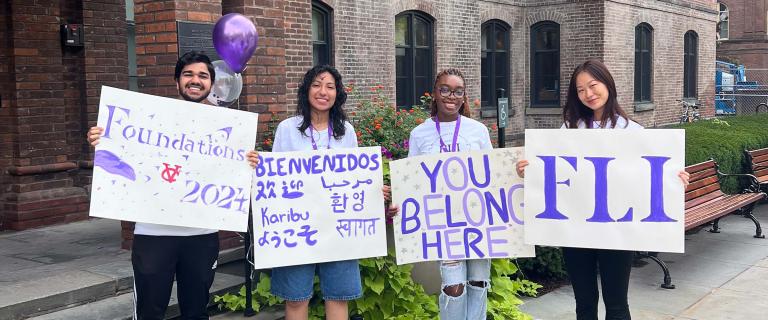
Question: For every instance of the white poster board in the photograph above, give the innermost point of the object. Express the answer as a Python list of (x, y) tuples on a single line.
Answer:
[(606, 189), (172, 162), (457, 206), (318, 206)]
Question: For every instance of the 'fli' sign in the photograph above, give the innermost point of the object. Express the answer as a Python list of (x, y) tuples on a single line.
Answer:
[(607, 189)]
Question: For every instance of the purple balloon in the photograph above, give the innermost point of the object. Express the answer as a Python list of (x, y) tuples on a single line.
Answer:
[(235, 39)]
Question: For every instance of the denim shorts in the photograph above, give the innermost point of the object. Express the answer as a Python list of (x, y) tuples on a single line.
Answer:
[(339, 280)]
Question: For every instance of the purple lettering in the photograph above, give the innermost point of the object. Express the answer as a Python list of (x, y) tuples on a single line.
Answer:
[(657, 190), (472, 244), (428, 212), (446, 176), (486, 169), (512, 214), (601, 213), (449, 243), (491, 241), (108, 128), (426, 245), (415, 217), (468, 214), (501, 209), (550, 187), (432, 174)]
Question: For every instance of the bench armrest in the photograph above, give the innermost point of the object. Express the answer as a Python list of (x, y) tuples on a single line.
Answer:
[(754, 185)]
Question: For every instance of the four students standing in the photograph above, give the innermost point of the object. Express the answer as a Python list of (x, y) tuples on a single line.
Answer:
[(321, 123)]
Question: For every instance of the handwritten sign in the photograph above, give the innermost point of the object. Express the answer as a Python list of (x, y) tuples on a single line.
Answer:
[(606, 189), (456, 206), (172, 162), (318, 206)]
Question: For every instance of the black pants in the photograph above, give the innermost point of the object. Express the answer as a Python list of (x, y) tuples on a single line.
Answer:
[(614, 266), (157, 259)]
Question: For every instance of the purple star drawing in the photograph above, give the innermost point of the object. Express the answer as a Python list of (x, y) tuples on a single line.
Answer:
[(111, 163), (227, 130)]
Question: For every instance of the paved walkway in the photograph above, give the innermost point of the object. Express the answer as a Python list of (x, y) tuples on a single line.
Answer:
[(720, 276)]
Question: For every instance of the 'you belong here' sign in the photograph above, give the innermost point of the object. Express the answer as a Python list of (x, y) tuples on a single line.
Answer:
[(605, 189), (457, 206)]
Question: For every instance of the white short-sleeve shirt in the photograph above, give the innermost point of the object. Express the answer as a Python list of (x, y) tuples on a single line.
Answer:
[(621, 123), (289, 138), (473, 135)]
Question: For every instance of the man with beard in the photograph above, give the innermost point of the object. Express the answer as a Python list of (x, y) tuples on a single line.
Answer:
[(162, 252)]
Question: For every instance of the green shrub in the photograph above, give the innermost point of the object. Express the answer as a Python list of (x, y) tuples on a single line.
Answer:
[(547, 264), (725, 140)]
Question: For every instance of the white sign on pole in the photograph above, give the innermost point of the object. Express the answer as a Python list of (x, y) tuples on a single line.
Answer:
[(605, 189), (457, 206), (172, 162), (318, 206)]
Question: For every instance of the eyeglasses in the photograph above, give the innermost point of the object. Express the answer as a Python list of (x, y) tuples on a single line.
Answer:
[(445, 92)]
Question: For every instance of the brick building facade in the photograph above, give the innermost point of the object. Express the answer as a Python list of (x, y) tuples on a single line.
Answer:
[(743, 32), (49, 93)]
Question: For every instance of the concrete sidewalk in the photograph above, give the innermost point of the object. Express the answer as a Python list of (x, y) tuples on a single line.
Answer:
[(76, 271), (720, 276)]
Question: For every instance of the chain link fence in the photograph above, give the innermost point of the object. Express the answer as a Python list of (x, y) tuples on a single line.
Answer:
[(741, 91)]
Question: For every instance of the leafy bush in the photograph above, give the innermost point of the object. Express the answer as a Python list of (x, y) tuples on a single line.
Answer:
[(378, 122), (389, 292), (548, 264), (725, 140)]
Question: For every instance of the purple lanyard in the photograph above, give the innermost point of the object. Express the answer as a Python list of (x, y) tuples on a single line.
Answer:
[(454, 145), (312, 135)]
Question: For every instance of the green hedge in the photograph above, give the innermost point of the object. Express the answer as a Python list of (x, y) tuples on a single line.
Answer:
[(725, 140)]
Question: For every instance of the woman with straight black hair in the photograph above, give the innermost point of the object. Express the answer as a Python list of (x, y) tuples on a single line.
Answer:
[(592, 103)]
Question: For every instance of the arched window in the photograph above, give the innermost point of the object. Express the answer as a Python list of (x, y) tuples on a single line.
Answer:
[(690, 64), (643, 62), (413, 55), (722, 22), (545, 64), (322, 34), (494, 73)]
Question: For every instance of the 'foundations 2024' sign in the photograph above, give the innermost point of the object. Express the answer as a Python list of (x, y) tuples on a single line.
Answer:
[(172, 162)]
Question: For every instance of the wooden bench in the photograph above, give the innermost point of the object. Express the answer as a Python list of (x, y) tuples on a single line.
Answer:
[(758, 160), (706, 203)]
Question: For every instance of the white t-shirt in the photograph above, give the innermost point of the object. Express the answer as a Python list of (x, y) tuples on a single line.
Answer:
[(288, 137), (621, 123), (149, 229), (473, 135)]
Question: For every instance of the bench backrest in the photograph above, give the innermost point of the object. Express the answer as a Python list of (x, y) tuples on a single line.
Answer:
[(758, 159), (703, 185)]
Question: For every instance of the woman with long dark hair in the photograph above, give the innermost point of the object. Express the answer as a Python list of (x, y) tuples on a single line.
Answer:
[(320, 124), (592, 103)]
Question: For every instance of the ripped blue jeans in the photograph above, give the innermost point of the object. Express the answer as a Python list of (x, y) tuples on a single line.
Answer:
[(471, 303)]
